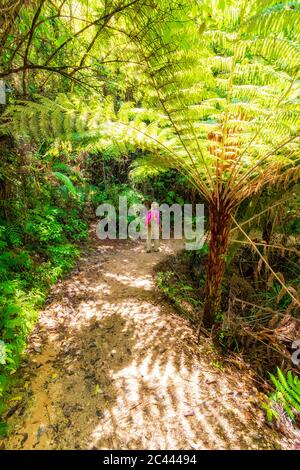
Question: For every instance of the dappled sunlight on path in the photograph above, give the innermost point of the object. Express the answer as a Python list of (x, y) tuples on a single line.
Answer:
[(113, 367)]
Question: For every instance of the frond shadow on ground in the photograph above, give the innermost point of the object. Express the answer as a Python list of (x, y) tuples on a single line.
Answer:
[(120, 370)]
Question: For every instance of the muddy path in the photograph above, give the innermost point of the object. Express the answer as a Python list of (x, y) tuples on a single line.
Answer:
[(111, 366)]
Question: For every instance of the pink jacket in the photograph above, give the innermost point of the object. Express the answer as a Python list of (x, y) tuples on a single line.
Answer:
[(152, 215)]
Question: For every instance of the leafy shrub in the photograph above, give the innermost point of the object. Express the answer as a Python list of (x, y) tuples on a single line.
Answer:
[(44, 228), (18, 314), (113, 193), (74, 228)]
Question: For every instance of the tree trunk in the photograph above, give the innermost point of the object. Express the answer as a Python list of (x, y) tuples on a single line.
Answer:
[(219, 226)]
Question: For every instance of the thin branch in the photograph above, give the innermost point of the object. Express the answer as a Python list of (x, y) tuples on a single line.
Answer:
[(31, 33), (278, 203), (279, 247)]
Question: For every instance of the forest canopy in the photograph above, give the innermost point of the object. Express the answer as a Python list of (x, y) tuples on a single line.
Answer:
[(179, 101)]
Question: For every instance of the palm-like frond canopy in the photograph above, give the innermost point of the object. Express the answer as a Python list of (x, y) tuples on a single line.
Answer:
[(231, 91)]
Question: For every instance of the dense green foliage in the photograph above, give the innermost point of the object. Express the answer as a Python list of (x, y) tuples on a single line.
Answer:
[(39, 234)]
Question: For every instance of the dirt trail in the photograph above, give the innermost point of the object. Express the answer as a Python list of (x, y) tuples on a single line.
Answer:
[(111, 366)]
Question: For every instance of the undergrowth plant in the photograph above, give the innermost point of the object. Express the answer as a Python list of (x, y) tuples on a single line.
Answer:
[(286, 396)]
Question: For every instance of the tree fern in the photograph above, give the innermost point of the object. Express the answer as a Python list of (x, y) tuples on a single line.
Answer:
[(235, 113)]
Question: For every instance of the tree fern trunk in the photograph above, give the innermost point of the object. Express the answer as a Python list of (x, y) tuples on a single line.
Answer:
[(219, 225)]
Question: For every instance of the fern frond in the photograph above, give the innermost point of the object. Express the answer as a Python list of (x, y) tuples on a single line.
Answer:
[(67, 182)]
